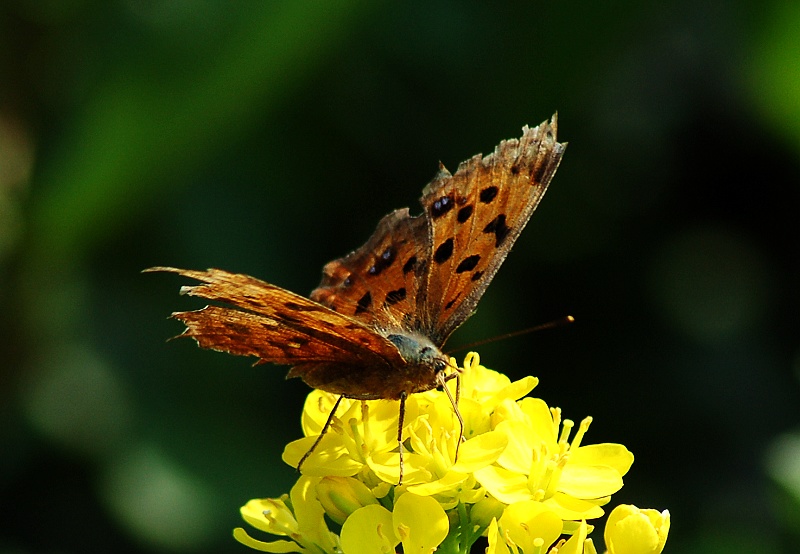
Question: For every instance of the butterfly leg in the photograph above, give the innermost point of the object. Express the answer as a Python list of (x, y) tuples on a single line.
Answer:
[(321, 433), (400, 421), (454, 401)]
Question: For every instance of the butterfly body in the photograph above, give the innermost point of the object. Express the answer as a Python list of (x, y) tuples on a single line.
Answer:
[(422, 361), (375, 326)]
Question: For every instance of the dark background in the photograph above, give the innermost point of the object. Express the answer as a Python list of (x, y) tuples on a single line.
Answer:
[(269, 138)]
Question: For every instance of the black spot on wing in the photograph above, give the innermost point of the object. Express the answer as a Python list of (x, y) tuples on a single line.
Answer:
[(477, 275), (383, 261), (452, 301), (441, 206), (499, 228), (395, 296), (364, 303), (488, 194), (538, 174), (410, 265), (468, 263), (464, 213), (443, 252)]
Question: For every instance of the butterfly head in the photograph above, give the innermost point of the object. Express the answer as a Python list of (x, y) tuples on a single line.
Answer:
[(420, 353)]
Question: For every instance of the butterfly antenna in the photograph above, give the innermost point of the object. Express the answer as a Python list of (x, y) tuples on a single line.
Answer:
[(549, 325), (321, 433)]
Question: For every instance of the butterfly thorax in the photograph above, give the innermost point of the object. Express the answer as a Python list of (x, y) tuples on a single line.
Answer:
[(418, 350)]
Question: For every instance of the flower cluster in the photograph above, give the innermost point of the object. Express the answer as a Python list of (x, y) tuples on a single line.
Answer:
[(521, 477)]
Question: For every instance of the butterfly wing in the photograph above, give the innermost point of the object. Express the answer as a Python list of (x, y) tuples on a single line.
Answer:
[(277, 325), (474, 216), (379, 282)]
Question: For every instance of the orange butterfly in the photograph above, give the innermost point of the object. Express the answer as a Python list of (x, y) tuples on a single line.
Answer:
[(375, 326)]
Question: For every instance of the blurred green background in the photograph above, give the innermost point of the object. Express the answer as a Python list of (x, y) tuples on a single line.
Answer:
[(268, 138)]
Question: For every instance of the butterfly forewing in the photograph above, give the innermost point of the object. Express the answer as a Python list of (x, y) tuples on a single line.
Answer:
[(475, 216)]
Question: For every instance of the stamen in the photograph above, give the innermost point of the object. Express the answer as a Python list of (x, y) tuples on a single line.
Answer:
[(360, 445), (576, 442), (556, 413), (566, 428), (472, 360)]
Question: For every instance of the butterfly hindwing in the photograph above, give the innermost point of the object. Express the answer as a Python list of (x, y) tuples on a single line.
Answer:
[(379, 282), (276, 325)]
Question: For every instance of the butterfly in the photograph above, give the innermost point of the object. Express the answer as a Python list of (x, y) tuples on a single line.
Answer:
[(375, 326)]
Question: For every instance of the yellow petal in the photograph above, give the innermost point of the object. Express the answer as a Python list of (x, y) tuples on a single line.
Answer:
[(310, 514), (517, 456), (506, 486), (420, 522), (575, 543), (568, 507), (514, 391), (497, 545), (525, 522), (277, 546), (369, 530), (606, 454), (447, 483), (480, 383), (330, 457), (270, 515), (541, 419), (317, 409), (341, 496), (480, 451), (386, 466), (589, 481)]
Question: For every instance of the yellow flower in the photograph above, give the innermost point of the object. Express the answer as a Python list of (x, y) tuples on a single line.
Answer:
[(298, 517), (418, 522), (530, 525), (541, 464), (630, 530), (519, 475), (430, 466), (358, 431)]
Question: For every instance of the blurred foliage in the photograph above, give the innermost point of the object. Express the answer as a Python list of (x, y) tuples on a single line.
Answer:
[(269, 138)]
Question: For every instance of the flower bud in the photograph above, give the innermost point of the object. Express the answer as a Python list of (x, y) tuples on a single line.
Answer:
[(484, 510), (630, 530), (341, 496)]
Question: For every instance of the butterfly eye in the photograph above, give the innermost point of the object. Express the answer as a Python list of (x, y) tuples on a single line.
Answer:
[(439, 365)]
